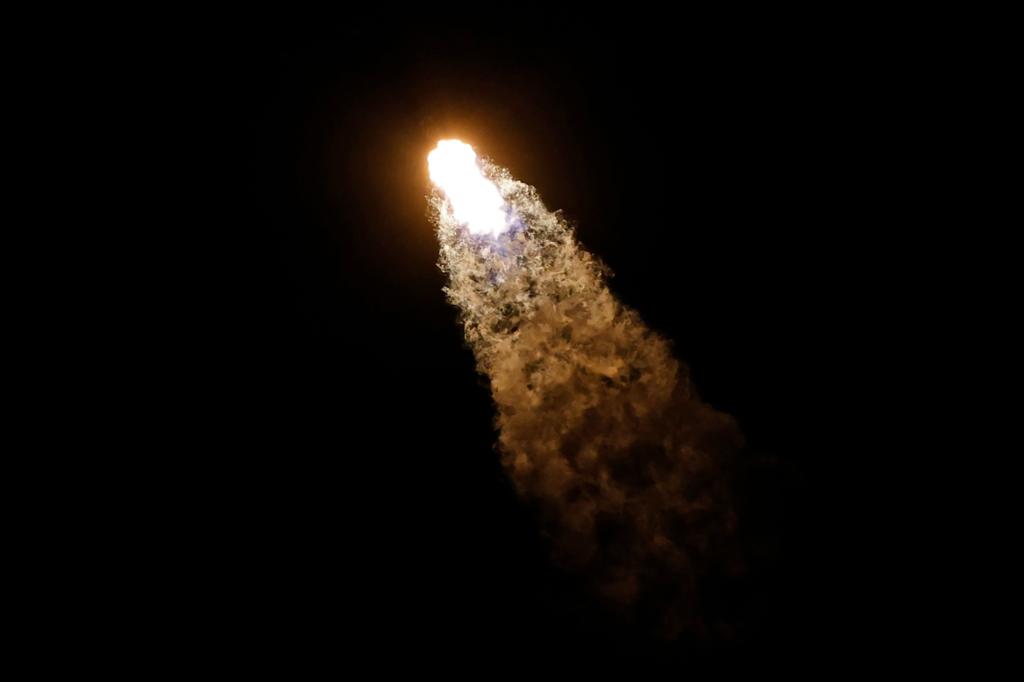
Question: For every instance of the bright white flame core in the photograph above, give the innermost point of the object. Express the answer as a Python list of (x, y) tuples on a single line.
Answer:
[(475, 200)]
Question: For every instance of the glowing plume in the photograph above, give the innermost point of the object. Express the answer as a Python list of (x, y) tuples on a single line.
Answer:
[(475, 200)]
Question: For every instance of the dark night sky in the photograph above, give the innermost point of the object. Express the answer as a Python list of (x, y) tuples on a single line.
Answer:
[(350, 507)]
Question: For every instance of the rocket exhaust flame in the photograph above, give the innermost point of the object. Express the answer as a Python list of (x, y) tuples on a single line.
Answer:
[(475, 200), (599, 424)]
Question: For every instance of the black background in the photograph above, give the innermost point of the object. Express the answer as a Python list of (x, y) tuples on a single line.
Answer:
[(341, 502)]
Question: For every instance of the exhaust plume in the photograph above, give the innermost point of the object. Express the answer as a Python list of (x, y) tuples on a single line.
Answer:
[(600, 427)]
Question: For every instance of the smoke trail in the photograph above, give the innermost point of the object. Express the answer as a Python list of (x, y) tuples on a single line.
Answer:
[(599, 424)]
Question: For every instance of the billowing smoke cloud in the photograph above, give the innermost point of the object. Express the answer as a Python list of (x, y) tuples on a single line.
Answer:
[(600, 427)]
